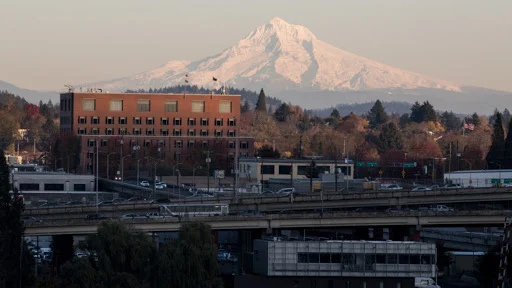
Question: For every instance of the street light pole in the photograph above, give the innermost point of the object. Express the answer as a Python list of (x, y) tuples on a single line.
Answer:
[(194, 173), (108, 171), (138, 160), (208, 160), (122, 164), (236, 161), (97, 174)]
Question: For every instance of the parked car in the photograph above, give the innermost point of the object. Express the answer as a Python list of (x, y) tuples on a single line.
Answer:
[(394, 210), (118, 200), (421, 189), (267, 192), (393, 187), (135, 198), (51, 204), (132, 217), (144, 183), (95, 216), (434, 187), (441, 208), (159, 186), (162, 184)]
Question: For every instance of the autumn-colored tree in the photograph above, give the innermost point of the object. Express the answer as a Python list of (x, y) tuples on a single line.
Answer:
[(31, 110)]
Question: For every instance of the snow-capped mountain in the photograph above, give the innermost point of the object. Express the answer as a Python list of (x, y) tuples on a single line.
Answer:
[(280, 56)]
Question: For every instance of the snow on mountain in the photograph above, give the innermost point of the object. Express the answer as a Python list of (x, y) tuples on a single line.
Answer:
[(280, 56)]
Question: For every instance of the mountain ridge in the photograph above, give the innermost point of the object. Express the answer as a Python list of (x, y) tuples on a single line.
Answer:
[(280, 56)]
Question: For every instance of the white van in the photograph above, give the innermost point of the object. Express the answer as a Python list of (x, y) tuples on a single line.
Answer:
[(425, 282)]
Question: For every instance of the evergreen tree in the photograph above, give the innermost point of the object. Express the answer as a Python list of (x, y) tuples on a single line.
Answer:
[(261, 105), (11, 235), (428, 112), (335, 114), (390, 138), (404, 120), (377, 115), (507, 163), (506, 118), (245, 107), (282, 113), (450, 121), (475, 119), (416, 113), (496, 153)]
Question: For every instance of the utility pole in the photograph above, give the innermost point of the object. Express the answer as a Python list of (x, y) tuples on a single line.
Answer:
[(300, 146), (208, 160), (336, 170), (236, 161), (450, 162), (97, 175), (122, 162)]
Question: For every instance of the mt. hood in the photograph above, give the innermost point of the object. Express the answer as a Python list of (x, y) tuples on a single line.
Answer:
[(279, 56)]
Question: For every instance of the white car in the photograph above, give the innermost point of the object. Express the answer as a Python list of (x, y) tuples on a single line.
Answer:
[(393, 187), (200, 195), (154, 215), (133, 216), (286, 192), (441, 208), (162, 184), (144, 183), (421, 189), (159, 186)]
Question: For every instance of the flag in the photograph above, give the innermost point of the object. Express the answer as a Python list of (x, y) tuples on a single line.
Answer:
[(214, 79), (186, 78)]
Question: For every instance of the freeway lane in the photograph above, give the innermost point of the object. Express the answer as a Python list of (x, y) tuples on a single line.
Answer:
[(303, 202), (268, 222)]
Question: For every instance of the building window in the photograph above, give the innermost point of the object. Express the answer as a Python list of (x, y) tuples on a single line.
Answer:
[(150, 131), (104, 143), (95, 131), (82, 131), (109, 131), (136, 131), (244, 155), (164, 121), (122, 131), (161, 143), (231, 155), (191, 132), (109, 121), (116, 105), (177, 122), (190, 144), (225, 107), (178, 144), (88, 104), (95, 120), (136, 120), (218, 133), (122, 121), (147, 143), (164, 132), (53, 187), (82, 120), (204, 122), (150, 121), (219, 122), (204, 133), (231, 133), (29, 187), (171, 106), (191, 121), (143, 105), (231, 122), (285, 169), (231, 145), (78, 187), (91, 143), (267, 169), (302, 169), (176, 132), (244, 145), (198, 106)]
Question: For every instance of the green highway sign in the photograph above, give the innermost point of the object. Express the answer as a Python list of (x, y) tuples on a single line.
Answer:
[(495, 181), (361, 164), (409, 164), (371, 164), (507, 181)]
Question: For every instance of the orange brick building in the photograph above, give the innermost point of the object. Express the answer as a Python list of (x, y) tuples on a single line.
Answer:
[(174, 128)]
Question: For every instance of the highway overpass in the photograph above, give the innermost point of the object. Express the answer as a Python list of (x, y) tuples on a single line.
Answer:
[(270, 222), (271, 203)]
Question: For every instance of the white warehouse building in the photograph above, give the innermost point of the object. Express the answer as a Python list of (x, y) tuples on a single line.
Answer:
[(480, 178), (364, 259)]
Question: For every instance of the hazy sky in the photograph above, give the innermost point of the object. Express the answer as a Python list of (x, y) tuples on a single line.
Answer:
[(47, 44)]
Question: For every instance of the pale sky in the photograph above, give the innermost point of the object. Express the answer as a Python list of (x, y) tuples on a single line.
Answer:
[(47, 44)]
